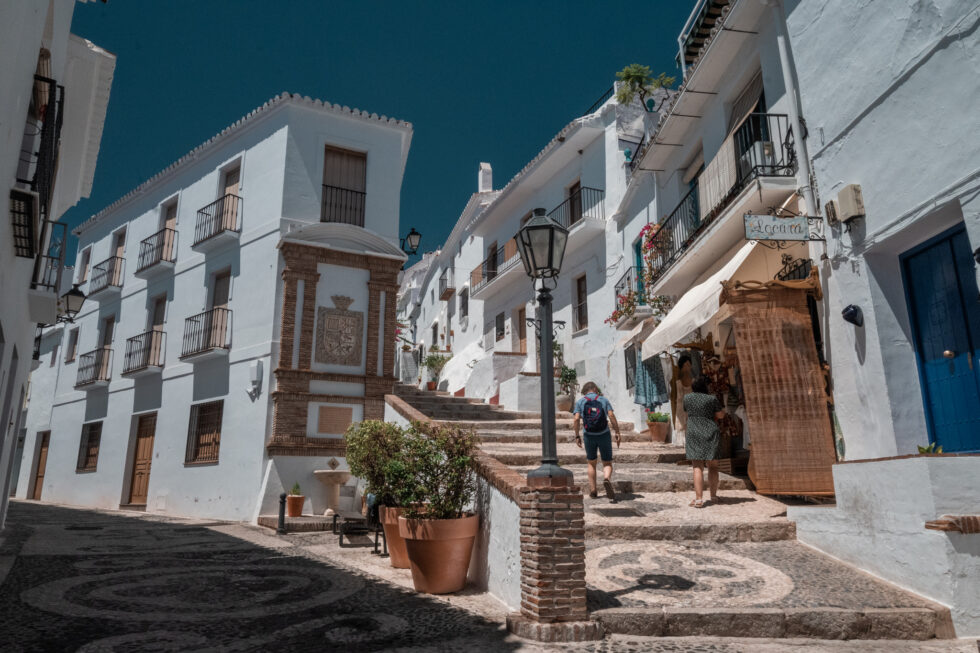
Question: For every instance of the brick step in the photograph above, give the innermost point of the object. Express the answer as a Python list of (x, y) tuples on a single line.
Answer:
[(779, 589), (523, 424), (906, 624), (566, 435), (529, 453), (629, 478)]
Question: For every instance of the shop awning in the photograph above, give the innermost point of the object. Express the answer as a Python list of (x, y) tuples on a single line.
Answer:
[(694, 308)]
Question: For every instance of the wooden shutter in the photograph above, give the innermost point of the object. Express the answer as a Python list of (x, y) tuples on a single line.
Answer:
[(205, 432), (345, 169), (91, 439), (581, 303)]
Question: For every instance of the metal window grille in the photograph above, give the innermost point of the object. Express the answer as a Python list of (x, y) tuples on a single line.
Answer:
[(204, 432), (581, 309), (88, 455), (498, 327), (630, 354), (464, 304)]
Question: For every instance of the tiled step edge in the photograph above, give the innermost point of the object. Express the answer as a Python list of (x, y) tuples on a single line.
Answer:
[(816, 623), (737, 532), (529, 459)]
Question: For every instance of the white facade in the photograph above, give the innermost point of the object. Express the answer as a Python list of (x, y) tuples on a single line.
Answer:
[(49, 80), (278, 151)]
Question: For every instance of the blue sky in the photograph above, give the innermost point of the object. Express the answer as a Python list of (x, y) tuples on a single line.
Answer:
[(479, 81)]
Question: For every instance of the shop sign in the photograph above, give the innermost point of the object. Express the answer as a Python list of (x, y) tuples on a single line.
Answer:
[(771, 227)]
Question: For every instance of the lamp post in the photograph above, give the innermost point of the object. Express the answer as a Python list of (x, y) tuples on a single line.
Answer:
[(410, 243), (541, 243)]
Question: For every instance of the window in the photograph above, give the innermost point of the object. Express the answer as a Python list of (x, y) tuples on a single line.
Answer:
[(499, 326), (54, 355), (574, 203), (630, 354), (464, 304), (204, 432), (83, 266), (72, 349), (88, 450), (344, 186), (435, 335), (581, 308)]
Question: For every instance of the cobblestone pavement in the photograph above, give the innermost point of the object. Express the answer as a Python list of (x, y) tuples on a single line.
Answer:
[(83, 580)]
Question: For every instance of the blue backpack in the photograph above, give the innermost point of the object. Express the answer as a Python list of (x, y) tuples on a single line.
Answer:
[(594, 416)]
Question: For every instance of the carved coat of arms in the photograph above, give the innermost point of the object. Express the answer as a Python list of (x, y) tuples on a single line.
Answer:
[(340, 333)]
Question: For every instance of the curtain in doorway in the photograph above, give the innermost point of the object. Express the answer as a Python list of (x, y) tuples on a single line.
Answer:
[(651, 386)]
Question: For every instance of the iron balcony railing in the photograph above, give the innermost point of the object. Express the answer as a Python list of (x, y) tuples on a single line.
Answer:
[(158, 248), (206, 331), (632, 280), (144, 351), (634, 154), (447, 285), (342, 205), (494, 265), (44, 124), (108, 273), (763, 147), (223, 214), (94, 366), (583, 203), (48, 265), (602, 100)]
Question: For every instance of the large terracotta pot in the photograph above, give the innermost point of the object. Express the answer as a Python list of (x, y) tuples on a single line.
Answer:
[(396, 543), (439, 551), (294, 505), (564, 402), (658, 431)]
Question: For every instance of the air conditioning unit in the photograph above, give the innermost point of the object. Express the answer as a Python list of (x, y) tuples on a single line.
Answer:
[(850, 203), (832, 212), (24, 220)]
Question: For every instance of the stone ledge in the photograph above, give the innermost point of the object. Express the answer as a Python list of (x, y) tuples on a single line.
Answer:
[(559, 631), (509, 482), (405, 409)]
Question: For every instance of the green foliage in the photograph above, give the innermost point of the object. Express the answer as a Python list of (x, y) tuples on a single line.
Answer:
[(376, 453), (295, 491), (654, 416), (435, 363), (932, 448), (440, 482), (639, 80), (567, 380)]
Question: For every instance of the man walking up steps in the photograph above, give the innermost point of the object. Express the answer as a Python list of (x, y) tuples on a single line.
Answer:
[(595, 414)]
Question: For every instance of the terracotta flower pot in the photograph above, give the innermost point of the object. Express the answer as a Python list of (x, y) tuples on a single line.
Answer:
[(430, 385), (439, 551), (658, 431), (396, 543), (294, 505), (564, 402)]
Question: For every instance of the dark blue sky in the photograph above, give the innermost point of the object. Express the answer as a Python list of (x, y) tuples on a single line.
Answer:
[(479, 81)]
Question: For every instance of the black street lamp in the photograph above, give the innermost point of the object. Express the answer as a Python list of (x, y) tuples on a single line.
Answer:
[(70, 304), (541, 243), (410, 243)]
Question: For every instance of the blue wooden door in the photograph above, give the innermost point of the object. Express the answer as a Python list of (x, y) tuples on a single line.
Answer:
[(944, 305)]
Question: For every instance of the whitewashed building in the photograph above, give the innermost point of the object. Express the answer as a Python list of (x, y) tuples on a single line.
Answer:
[(54, 89), (240, 312)]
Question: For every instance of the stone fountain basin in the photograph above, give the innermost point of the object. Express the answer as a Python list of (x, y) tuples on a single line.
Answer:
[(332, 476)]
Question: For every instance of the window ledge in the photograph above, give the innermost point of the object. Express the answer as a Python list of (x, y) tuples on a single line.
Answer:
[(581, 332), (200, 463), (85, 470)]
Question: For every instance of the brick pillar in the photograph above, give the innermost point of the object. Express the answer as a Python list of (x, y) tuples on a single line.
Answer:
[(553, 607), (374, 308), (308, 321), (288, 319), (391, 322)]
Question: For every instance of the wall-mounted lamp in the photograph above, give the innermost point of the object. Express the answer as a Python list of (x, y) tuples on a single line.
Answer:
[(410, 243), (853, 314), (255, 380)]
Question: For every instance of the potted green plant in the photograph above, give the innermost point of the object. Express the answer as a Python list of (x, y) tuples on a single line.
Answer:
[(434, 362), (567, 383), (658, 426), (438, 532), (375, 453), (294, 501)]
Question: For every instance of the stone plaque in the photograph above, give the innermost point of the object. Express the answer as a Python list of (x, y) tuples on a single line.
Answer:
[(334, 419), (340, 333)]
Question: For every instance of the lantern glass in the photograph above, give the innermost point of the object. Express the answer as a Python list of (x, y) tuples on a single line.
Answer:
[(414, 238), (73, 300), (542, 246)]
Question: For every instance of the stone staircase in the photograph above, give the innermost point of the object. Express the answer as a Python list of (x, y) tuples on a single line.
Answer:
[(656, 566)]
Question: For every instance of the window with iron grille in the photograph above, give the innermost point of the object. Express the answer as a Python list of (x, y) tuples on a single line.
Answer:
[(88, 449), (581, 309), (464, 303), (435, 335), (204, 432), (498, 326), (630, 354), (344, 186), (72, 349)]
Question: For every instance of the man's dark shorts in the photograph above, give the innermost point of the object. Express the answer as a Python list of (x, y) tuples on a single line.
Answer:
[(598, 441)]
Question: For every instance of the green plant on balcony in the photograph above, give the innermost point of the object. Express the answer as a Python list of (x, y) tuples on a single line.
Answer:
[(625, 306), (660, 305), (638, 80)]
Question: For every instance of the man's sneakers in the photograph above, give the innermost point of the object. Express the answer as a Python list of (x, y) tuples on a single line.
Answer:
[(610, 492), (593, 494)]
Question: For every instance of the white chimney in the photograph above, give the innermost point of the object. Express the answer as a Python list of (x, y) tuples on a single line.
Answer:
[(485, 179)]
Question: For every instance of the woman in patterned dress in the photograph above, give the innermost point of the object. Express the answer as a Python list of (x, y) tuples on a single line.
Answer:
[(703, 438)]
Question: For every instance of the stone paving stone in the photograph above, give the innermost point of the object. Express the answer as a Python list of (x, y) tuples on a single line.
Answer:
[(529, 453), (650, 477)]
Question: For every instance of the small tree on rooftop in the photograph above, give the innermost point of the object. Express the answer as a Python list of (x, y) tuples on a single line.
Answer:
[(638, 79)]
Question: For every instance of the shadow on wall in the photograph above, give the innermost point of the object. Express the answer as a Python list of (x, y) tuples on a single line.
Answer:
[(211, 379)]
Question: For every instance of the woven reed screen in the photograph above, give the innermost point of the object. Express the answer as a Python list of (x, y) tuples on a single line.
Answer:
[(785, 398)]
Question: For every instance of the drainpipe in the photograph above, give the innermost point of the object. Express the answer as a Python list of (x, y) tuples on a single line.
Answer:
[(792, 90)]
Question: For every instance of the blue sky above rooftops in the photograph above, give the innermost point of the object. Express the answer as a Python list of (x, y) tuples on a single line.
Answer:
[(479, 81)]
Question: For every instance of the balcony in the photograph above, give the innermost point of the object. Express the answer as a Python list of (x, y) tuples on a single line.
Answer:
[(447, 284), (107, 279), (218, 223), (158, 254), (500, 263), (760, 150), (94, 369), (583, 208), (145, 354), (631, 301), (207, 335), (42, 296), (342, 205)]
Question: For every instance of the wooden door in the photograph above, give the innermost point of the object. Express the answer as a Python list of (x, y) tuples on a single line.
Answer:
[(942, 294), (108, 326), (169, 223), (42, 463), (142, 458), (229, 207), (219, 317), (575, 203), (491, 264), (156, 327), (118, 251), (522, 329), (222, 289)]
